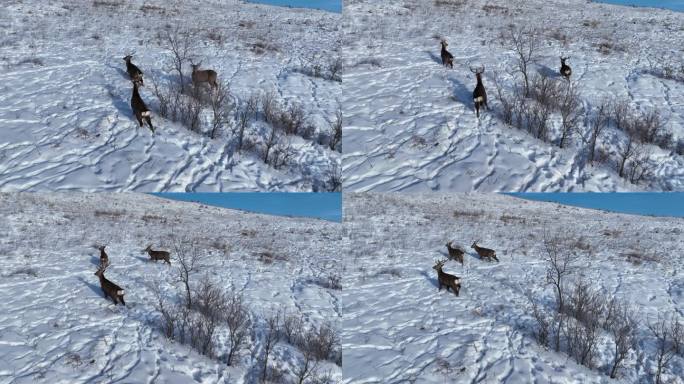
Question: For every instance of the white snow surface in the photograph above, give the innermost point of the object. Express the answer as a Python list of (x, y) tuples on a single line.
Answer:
[(56, 326), (410, 123), (399, 328), (65, 116)]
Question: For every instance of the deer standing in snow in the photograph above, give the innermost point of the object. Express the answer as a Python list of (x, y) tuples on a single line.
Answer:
[(110, 289), (133, 71), (565, 70), (445, 279), (140, 108), (484, 253), (455, 253), (479, 94), (158, 255), (447, 57)]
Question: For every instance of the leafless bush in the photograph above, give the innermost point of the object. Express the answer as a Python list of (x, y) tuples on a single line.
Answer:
[(582, 329), (175, 319), (598, 122), (179, 107), (623, 327), (28, 271), (668, 331), (547, 90), (543, 324), (335, 143), (559, 265), (321, 342), (270, 337), (293, 325), (210, 303), (572, 112), (277, 150), (187, 254), (269, 107), (524, 43), (243, 115), (236, 316), (178, 42), (221, 108)]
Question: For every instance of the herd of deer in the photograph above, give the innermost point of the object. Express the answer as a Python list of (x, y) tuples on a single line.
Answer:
[(480, 94), (456, 253), (115, 292), (140, 109)]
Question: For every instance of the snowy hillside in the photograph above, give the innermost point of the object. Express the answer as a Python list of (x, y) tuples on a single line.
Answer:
[(56, 326), (399, 328), (65, 117), (409, 122)]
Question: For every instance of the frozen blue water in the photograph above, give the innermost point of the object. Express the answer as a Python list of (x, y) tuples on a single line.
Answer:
[(647, 204), (676, 5), (326, 5), (326, 206)]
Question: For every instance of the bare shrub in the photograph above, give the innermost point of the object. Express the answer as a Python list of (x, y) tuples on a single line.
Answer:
[(187, 254), (598, 122), (524, 43), (559, 265), (271, 336), (221, 108), (335, 143), (178, 42), (543, 324), (210, 303), (175, 318), (293, 324), (242, 117), (623, 327), (668, 331), (321, 342), (236, 317), (583, 328), (572, 112)]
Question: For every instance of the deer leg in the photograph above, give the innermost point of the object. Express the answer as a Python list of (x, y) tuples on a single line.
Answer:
[(138, 116), (457, 289), (149, 122), (122, 300)]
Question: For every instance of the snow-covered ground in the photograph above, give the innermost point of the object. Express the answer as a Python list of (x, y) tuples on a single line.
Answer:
[(409, 122), (65, 116), (56, 327), (399, 328)]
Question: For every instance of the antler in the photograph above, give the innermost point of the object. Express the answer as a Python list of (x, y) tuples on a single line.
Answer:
[(476, 70)]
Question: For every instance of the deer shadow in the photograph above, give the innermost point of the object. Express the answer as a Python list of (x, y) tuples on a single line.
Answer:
[(429, 277), (461, 93), (547, 71), (119, 103), (95, 288), (435, 58), (121, 72), (95, 260), (142, 258)]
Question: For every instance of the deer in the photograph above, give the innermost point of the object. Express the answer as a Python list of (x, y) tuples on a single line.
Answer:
[(133, 71), (479, 94), (484, 253), (565, 69), (445, 279), (447, 57), (203, 76), (139, 108), (455, 253), (104, 259), (110, 289), (158, 255)]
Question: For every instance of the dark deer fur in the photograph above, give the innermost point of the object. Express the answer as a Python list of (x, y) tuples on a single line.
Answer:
[(158, 255), (203, 76), (479, 94), (455, 253), (485, 253), (565, 70), (447, 280), (110, 289), (447, 57), (104, 259), (133, 71), (139, 108)]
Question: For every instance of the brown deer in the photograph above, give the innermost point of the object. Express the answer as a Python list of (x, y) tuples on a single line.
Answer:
[(479, 94), (455, 253), (447, 57), (158, 255), (443, 278), (485, 253), (203, 76), (140, 108), (565, 70), (133, 71), (104, 259), (110, 289)]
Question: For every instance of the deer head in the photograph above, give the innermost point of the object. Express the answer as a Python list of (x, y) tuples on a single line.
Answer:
[(563, 59), (477, 70), (100, 271), (438, 265)]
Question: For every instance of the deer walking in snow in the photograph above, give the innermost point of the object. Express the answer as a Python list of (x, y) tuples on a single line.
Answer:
[(110, 289), (484, 253), (445, 279), (479, 94)]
